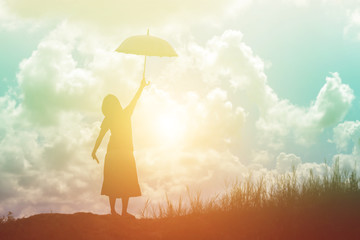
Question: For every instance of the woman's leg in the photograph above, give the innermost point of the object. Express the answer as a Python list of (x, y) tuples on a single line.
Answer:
[(125, 202), (112, 201)]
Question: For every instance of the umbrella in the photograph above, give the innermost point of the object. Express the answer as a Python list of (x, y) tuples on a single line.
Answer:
[(148, 46)]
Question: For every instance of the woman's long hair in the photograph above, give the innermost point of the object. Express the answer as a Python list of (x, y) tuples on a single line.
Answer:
[(111, 106)]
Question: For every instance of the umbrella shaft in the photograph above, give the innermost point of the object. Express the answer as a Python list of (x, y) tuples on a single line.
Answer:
[(144, 67)]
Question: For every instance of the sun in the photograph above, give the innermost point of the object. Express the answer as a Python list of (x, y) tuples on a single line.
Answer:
[(170, 127)]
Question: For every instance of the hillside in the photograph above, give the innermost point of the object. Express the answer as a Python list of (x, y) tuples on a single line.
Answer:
[(268, 224), (317, 207)]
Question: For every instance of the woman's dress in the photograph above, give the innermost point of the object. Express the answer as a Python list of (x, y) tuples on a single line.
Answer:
[(120, 174)]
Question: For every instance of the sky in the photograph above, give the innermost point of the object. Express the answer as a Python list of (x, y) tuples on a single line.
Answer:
[(258, 86)]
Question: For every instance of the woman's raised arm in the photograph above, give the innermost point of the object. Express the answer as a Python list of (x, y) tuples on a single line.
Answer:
[(130, 108)]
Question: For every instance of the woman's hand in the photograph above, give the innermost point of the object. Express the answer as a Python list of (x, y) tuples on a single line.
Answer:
[(94, 156), (144, 83)]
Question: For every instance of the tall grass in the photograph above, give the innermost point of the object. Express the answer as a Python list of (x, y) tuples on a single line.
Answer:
[(287, 191), (8, 218)]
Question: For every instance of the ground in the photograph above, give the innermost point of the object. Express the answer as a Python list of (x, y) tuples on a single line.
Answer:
[(251, 224)]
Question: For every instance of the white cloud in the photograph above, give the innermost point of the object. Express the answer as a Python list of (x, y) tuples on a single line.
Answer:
[(49, 168), (263, 158), (332, 102), (317, 169), (347, 139), (172, 170), (228, 62), (9, 21), (284, 119), (67, 73), (286, 162), (347, 134), (352, 29), (348, 162)]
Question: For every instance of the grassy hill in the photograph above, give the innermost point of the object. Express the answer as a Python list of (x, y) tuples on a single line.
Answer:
[(319, 223), (318, 207)]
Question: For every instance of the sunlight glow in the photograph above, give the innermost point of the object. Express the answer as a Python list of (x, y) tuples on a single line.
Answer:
[(170, 127)]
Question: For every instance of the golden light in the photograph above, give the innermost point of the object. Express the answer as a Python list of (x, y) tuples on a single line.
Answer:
[(169, 127)]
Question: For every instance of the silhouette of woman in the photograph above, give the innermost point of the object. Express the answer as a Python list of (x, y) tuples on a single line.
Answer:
[(120, 175)]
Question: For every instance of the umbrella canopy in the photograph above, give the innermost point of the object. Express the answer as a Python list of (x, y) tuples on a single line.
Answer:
[(147, 45)]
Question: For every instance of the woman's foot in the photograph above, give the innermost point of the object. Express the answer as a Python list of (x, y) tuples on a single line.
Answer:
[(128, 215), (114, 213)]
